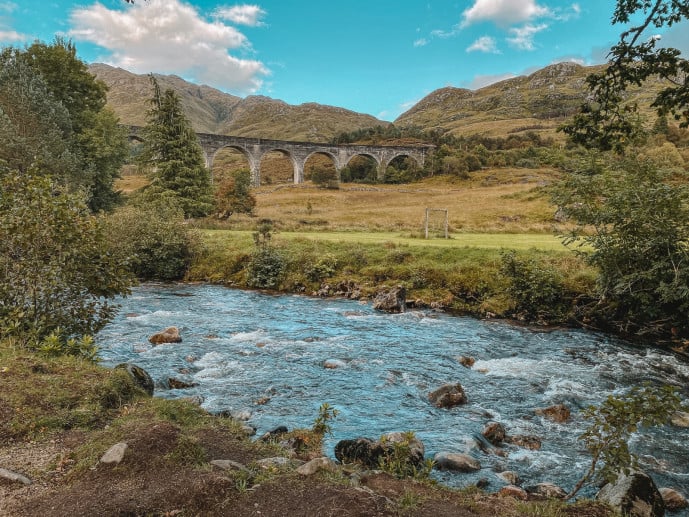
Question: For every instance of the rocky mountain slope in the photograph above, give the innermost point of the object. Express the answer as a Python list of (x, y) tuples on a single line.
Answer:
[(539, 102), (212, 111)]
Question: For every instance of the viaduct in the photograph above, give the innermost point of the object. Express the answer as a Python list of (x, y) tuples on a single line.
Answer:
[(254, 149)]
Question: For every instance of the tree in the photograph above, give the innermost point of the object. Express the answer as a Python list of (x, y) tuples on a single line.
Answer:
[(606, 122), (57, 274), (634, 227), (172, 155), (34, 126), (56, 121), (234, 195)]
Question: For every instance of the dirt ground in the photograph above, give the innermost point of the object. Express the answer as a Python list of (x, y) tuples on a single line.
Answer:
[(148, 483)]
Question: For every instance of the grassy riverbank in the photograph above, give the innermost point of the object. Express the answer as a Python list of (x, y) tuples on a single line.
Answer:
[(60, 415), (463, 274)]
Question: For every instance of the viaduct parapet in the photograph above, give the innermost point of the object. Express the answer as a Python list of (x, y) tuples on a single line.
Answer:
[(254, 149)]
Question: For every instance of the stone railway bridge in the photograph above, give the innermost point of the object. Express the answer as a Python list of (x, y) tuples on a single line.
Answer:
[(254, 149)]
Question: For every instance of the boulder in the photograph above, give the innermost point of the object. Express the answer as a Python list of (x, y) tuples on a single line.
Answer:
[(456, 462), (391, 300), (634, 495), (316, 464), (525, 440), (448, 396), (369, 452), (176, 384), (230, 465), (494, 432), (169, 335), (680, 419), (140, 376), (510, 477), (514, 492), (14, 477), (114, 454), (673, 499), (466, 361), (558, 413), (547, 490), (333, 364), (273, 434)]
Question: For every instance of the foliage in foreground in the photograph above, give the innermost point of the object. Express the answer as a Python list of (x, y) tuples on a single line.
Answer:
[(606, 122), (57, 273), (634, 229), (614, 421), (54, 119)]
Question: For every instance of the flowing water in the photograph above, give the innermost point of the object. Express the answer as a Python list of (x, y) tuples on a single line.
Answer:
[(241, 347)]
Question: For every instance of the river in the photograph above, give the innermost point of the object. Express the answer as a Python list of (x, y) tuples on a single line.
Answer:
[(244, 347)]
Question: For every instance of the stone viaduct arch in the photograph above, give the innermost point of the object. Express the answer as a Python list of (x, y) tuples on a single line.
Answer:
[(254, 149)]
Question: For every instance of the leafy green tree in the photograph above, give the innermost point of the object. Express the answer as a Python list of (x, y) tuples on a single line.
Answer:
[(614, 421), (172, 155), (57, 275), (607, 122), (56, 120), (234, 195), (634, 227), (33, 125)]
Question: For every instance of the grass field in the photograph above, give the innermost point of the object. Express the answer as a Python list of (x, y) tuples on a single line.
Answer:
[(495, 241)]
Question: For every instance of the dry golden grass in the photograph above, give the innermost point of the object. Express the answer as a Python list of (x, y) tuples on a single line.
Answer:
[(495, 200), (505, 200)]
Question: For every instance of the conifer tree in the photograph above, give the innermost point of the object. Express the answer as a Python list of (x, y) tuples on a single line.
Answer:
[(172, 156)]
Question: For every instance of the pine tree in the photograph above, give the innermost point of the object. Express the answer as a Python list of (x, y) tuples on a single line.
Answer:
[(172, 155)]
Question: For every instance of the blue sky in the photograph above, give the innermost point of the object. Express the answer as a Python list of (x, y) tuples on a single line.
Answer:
[(372, 56)]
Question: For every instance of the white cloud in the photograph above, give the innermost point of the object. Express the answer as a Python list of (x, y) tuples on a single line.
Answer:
[(480, 81), (503, 12), (242, 14), (439, 33), (484, 44), (421, 42), (169, 36), (8, 36), (522, 37)]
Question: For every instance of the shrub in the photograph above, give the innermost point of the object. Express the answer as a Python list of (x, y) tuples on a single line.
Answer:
[(324, 267), (234, 195), (58, 274), (154, 236), (613, 423), (537, 290), (325, 177), (266, 268)]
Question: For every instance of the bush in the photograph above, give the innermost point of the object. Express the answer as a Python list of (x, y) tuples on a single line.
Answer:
[(325, 178), (266, 268), (159, 244), (537, 290), (234, 195), (58, 273), (324, 267)]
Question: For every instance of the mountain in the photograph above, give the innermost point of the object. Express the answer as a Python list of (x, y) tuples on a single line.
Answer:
[(539, 102), (213, 111)]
